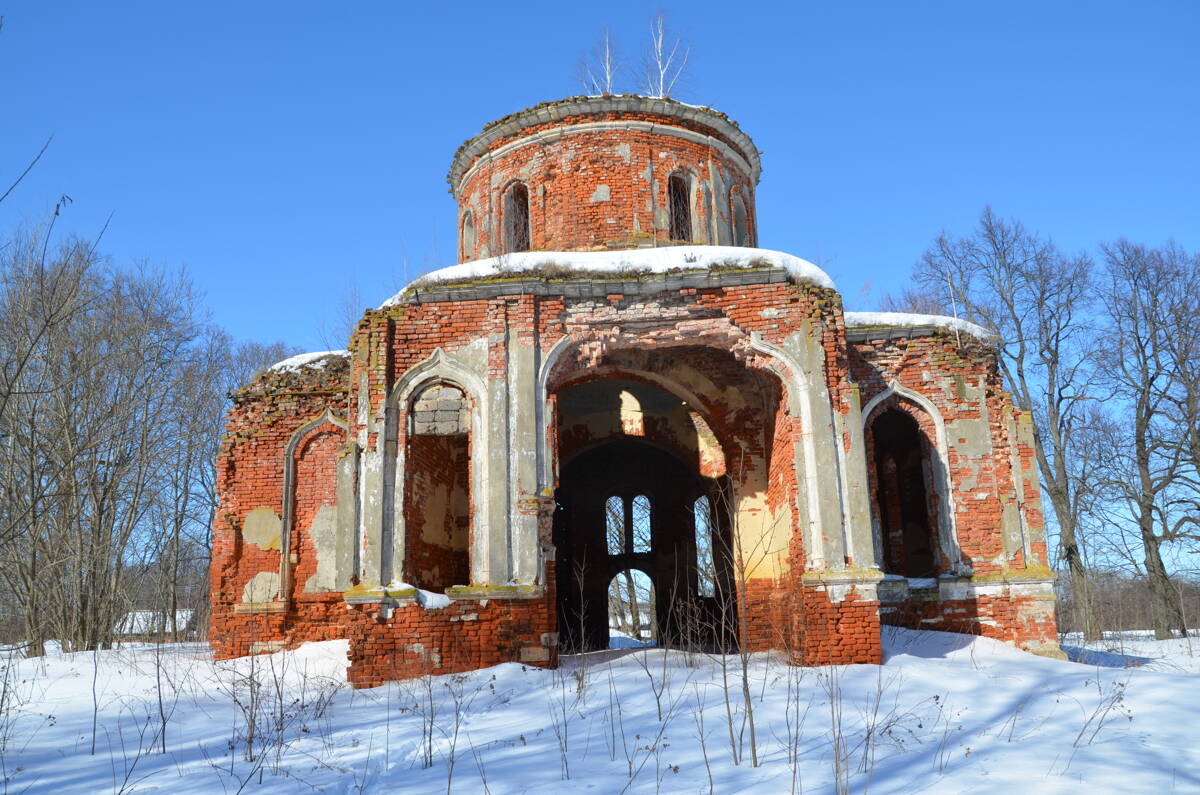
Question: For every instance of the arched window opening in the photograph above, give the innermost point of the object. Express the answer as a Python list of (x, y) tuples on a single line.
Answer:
[(468, 236), (437, 489), (614, 521), (706, 565), (516, 218), (641, 523), (632, 621), (680, 208), (741, 225), (902, 495), (627, 525)]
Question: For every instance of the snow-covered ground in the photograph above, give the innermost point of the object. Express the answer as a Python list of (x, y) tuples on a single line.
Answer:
[(945, 713)]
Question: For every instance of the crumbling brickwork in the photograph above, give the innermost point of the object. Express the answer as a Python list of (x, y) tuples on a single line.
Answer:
[(432, 493), (597, 173)]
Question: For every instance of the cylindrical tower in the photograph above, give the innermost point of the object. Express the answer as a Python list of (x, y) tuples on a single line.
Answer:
[(611, 172)]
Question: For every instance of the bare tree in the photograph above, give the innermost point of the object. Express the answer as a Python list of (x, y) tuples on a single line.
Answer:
[(336, 332), (1150, 302), (1038, 301), (665, 60), (923, 302), (112, 392), (598, 70)]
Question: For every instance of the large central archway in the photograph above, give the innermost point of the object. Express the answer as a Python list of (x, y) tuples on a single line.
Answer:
[(642, 527), (627, 506)]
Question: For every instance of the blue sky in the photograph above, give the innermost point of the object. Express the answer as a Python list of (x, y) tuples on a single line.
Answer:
[(287, 153)]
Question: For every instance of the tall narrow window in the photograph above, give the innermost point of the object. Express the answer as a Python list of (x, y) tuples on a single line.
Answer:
[(468, 237), (641, 523), (437, 488), (614, 523), (706, 566), (909, 542), (680, 208), (741, 227), (516, 218)]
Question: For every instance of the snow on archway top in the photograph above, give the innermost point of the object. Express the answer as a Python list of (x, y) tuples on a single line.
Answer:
[(913, 320), (294, 364), (665, 259)]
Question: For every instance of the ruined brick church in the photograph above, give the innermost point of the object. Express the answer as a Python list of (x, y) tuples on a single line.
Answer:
[(613, 380)]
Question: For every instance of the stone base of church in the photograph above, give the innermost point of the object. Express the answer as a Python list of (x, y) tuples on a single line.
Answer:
[(1015, 607), (824, 618), (390, 641)]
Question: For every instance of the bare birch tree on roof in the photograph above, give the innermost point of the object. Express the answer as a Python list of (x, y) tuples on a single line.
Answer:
[(598, 70), (665, 60)]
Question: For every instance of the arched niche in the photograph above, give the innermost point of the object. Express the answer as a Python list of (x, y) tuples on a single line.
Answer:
[(934, 454), (438, 369), (327, 421)]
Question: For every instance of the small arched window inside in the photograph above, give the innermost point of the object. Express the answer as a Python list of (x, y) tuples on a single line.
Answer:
[(627, 524), (516, 218), (614, 525), (468, 236), (641, 523), (680, 208), (631, 614), (741, 225), (706, 565)]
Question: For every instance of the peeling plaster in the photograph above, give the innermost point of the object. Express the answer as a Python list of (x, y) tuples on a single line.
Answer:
[(262, 587), (263, 528)]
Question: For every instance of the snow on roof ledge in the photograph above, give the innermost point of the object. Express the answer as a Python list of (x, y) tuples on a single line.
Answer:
[(909, 320), (315, 359), (654, 260)]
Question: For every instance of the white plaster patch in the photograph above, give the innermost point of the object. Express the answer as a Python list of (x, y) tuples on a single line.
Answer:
[(263, 528), (601, 194), (1038, 589), (323, 533), (262, 587)]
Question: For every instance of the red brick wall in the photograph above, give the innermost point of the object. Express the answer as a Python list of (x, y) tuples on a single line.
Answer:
[(837, 633), (316, 487), (911, 362), (464, 636), (563, 175), (1020, 620), (250, 466), (695, 335)]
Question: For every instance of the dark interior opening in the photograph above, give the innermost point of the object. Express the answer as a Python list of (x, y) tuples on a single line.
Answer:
[(437, 490), (902, 497), (516, 218), (628, 506), (680, 208)]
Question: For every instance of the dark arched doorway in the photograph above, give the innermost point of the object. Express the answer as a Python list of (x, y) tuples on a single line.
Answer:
[(902, 495), (628, 505)]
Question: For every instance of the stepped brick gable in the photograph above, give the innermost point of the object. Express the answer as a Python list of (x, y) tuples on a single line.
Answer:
[(628, 424)]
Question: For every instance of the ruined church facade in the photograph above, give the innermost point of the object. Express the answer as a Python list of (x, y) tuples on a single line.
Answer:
[(616, 379)]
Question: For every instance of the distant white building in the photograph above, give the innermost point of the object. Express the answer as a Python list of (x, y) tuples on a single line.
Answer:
[(138, 623)]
